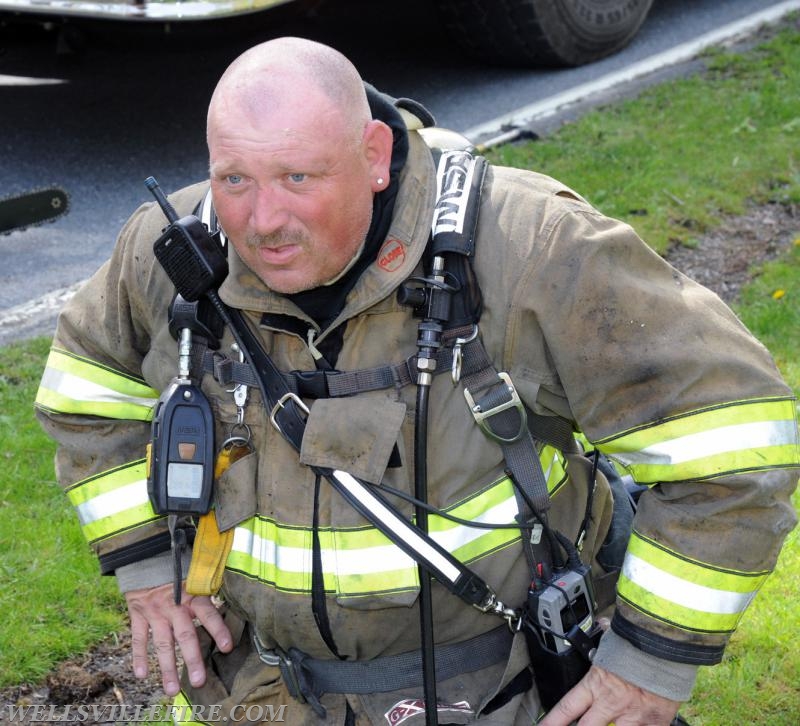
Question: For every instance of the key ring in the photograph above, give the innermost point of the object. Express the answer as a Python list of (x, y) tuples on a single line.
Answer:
[(235, 440)]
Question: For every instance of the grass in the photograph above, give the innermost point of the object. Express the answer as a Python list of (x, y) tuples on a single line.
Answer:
[(52, 603), (684, 153), (671, 162)]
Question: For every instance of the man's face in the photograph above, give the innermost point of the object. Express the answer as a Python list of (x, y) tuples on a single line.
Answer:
[(292, 190)]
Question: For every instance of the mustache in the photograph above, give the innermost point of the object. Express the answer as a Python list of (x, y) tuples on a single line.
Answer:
[(275, 239)]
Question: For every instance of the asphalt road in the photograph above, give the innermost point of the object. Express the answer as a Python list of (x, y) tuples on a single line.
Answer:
[(100, 121)]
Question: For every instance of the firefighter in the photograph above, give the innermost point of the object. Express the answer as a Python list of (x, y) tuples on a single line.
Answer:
[(325, 191)]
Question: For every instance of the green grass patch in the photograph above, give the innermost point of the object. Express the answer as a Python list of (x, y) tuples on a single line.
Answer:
[(679, 156), (53, 604), (770, 307)]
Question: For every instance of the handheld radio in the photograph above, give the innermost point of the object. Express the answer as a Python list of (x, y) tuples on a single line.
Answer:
[(561, 630)]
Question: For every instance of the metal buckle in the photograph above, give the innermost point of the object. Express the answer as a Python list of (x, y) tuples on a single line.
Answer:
[(480, 415), (290, 676), (278, 657), (493, 606), (285, 397), (265, 655)]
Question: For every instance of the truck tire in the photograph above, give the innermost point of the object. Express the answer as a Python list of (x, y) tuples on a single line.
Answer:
[(542, 32)]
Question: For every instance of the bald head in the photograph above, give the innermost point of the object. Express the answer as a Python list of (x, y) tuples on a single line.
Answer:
[(294, 161), (285, 74)]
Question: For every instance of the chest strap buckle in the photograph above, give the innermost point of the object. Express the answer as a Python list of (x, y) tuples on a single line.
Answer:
[(497, 400)]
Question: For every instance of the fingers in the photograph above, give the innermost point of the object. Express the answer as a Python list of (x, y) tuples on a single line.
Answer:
[(153, 612), (602, 698), (573, 705), (164, 647), (140, 631), (211, 619)]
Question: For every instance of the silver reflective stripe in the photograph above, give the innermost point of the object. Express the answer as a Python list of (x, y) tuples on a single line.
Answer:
[(398, 526), (298, 559), (724, 439), (453, 538), (549, 469), (682, 592), (285, 558), (382, 559), (82, 390), (361, 552), (113, 502)]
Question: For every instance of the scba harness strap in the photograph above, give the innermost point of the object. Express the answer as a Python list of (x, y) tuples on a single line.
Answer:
[(308, 679)]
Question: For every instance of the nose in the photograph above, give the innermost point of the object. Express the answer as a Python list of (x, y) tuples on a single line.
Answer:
[(269, 211)]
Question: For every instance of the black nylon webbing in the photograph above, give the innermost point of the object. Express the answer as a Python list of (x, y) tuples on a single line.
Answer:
[(319, 607), (391, 673), (489, 391), (330, 384)]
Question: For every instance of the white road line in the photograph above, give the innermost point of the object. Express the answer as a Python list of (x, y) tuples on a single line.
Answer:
[(41, 307), (525, 114), (29, 81)]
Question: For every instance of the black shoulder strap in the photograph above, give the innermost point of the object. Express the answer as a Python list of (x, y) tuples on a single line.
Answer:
[(491, 395), (459, 183)]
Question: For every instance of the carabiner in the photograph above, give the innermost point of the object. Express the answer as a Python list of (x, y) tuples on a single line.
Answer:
[(455, 369)]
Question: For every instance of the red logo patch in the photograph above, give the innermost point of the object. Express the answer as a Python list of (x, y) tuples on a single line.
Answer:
[(391, 255), (404, 710)]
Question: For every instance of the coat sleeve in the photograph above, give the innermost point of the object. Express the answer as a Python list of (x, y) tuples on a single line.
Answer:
[(661, 375), (97, 403)]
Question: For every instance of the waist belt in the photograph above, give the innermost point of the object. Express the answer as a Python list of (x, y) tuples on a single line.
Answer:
[(308, 678)]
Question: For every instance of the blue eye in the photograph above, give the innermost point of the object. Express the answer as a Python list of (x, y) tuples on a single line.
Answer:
[(297, 178), (233, 179)]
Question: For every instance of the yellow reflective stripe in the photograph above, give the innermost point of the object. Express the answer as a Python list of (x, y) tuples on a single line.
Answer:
[(363, 560), (265, 551), (113, 501), (736, 437), (71, 384), (554, 466), (182, 710), (496, 504), (685, 593)]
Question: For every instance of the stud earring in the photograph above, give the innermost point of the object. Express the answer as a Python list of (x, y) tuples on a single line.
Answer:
[(380, 180)]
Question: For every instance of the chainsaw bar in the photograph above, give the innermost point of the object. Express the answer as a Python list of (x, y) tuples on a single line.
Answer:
[(32, 208)]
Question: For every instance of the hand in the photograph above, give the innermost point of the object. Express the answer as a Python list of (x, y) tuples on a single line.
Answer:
[(154, 611), (602, 698)]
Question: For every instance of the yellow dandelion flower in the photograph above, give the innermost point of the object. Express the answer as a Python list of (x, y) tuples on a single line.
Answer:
[(778, 294)]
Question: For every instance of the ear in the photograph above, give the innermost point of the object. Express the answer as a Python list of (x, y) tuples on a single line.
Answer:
[(377, 144)]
